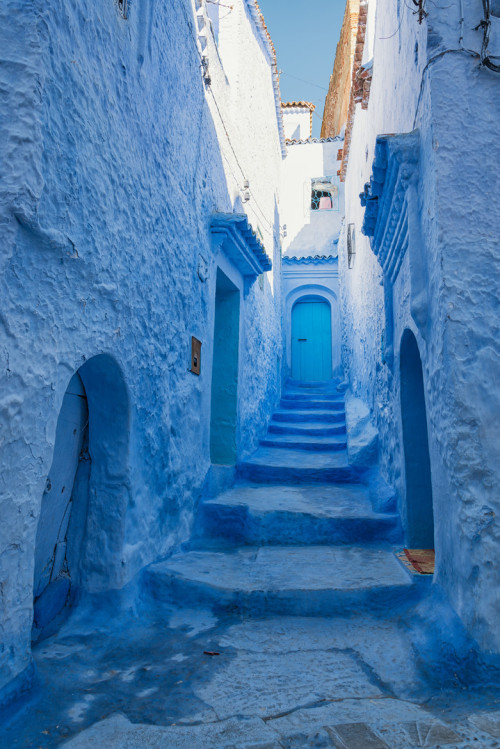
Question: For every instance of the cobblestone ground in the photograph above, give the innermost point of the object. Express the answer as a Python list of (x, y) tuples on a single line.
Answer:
[(289, 622), (186, 678)]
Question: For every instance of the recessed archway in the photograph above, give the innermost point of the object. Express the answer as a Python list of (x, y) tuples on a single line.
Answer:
[(418, 485), (81, 526)]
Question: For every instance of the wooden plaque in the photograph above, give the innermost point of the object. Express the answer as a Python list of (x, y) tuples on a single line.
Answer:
[(195, 355)]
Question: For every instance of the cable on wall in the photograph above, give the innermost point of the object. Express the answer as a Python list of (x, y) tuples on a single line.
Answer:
[(485, 25)]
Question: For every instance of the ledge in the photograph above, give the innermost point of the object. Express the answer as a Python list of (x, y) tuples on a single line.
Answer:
[(307, 141), (232, 233), (309, 259), (395, 165)]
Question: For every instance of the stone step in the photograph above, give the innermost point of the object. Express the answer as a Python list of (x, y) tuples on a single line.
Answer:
[(305, 397), (332, 417), (305, 442), (313, 404), (311, 514), (282, 465), (307, 428), (329, 386), (279, 465), (289, 580)]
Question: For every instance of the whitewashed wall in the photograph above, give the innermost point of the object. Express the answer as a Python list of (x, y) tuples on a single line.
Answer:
[(309, 232)]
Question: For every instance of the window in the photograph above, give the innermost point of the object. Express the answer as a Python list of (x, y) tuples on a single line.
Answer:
[(325, 194)]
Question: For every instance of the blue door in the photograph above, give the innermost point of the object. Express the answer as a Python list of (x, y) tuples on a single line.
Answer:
[(311, 340)]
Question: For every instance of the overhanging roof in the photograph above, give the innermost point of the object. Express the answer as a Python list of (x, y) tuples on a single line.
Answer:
[(234, 235)]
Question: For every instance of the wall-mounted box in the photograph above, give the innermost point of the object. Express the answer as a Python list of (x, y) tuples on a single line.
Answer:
[(195, 356)]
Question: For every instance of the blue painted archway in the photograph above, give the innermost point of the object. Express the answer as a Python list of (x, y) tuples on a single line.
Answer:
[(311, 339), (419, 503)]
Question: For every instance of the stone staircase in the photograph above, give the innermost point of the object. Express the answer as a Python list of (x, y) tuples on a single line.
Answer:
[(297, 534)]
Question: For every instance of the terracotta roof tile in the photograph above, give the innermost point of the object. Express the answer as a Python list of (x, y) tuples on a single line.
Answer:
[(304, 104)]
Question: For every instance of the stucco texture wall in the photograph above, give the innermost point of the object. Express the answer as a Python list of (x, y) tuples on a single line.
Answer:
[(113, 165), (423, 80)]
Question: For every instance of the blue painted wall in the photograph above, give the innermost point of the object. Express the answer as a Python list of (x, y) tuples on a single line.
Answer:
[(108, 186), (445, 291)]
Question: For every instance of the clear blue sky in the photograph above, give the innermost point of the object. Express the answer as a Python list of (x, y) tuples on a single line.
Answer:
[(305, 35)]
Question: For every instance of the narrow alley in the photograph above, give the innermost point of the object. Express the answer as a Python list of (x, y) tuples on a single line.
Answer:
[(288, 621), (250, 367)]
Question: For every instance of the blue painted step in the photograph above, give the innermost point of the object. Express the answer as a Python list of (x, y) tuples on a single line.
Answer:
[(322, 405), (329, 398), (307, 428), (286, 580), (297, 416), (313, 514), (305, 442), (282, 465)]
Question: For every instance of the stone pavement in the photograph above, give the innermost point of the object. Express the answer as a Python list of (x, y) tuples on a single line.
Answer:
[(119, 676), (288, 622)]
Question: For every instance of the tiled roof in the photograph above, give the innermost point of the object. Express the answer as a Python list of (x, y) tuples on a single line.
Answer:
[(309, 259), (296, 142), (301, 104), (258, 19)]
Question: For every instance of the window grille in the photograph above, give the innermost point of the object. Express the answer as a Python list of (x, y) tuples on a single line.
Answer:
[(325, 194)]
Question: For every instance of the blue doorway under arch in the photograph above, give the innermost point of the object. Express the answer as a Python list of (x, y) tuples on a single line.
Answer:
[(311, 339), (419, 504)]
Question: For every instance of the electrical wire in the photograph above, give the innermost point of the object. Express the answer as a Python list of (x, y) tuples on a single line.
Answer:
[(486, 26), (310, 83), (263, 215)]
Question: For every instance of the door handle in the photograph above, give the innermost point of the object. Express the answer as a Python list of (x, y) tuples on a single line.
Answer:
[(302, 339)]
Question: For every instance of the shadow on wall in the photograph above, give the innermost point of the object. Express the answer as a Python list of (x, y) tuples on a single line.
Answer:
[(81, 527), (418, 507)]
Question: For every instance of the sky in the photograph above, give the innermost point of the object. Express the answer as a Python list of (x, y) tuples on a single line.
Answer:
[(305, 35)]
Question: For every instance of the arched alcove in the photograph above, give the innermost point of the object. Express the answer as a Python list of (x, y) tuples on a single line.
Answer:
[(311, 339), (81, 526), (418, 486)]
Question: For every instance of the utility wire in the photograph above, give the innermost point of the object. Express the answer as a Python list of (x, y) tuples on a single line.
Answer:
[(310, 83), (208, 86)]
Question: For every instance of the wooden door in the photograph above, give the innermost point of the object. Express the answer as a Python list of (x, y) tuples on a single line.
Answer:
[(311, 341)]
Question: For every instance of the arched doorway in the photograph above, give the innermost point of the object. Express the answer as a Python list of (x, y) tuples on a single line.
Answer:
[(80, 530), (311, 339), (419, 505)]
